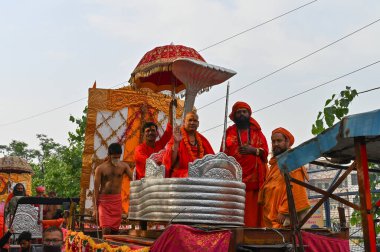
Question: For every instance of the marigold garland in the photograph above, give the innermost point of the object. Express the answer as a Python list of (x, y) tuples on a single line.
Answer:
[(201, 150), (78, 242)]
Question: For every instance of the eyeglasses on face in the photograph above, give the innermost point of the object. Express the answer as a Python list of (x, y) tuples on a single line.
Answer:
[(52, 241)]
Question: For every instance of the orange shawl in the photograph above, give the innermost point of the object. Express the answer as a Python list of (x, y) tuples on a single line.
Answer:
[(273, 197), (180, 168)]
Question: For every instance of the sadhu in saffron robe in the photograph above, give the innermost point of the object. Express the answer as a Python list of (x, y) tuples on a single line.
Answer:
[(254, 167), (186, 153), (273, 195)]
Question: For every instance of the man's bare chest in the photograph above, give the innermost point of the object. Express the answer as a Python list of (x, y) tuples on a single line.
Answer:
[(114, 173)]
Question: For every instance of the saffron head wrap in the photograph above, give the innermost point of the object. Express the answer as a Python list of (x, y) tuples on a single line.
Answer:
[(286, 133), (40, 189)]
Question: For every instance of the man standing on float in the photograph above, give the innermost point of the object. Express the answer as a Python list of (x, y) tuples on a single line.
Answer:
[(107, 190), (247, 144)]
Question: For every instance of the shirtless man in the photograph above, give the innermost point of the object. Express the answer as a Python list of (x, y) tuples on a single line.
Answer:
[(50, 210), (107, 190)]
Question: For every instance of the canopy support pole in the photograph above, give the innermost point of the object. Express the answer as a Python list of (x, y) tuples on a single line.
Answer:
[(365, 194), (189, 101)]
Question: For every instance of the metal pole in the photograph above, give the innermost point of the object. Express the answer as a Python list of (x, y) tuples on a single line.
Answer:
[(326, 205), (225, 118), (327, 202), (365, 195)]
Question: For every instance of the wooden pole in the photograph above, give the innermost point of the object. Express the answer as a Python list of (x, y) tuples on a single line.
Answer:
[(294, 224), (365, 195)]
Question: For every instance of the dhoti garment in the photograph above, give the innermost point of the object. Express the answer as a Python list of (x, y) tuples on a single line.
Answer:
[(110, 211)]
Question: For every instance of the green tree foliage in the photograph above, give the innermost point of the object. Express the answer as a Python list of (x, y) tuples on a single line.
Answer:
[(335, 108), (55, 166), (20, 149), (77, 137)]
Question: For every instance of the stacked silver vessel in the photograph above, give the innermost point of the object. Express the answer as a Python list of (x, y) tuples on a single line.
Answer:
[(213, 193)]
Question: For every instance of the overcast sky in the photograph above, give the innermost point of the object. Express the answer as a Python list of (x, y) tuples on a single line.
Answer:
[(53, 51)]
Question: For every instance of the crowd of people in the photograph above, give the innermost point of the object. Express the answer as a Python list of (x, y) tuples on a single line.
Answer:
[(266, 203), (52, 222)]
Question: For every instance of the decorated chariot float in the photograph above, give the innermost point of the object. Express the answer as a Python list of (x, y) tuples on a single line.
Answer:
[(205, 211)]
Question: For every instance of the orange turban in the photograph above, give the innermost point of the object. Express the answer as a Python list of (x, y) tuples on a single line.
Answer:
[(40, 189), (286, 133), (240, 105)]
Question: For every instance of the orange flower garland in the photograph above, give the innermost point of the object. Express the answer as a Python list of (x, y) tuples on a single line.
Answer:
[(75, 242), (201, 150)]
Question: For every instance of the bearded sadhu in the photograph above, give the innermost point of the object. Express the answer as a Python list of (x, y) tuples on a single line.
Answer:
[(11, 201), (273, 195), (247, 144)]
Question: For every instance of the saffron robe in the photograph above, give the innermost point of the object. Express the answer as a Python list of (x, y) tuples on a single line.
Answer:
[(110, 211), (253, 167), (180, 168), (273, 195), (143, 151)]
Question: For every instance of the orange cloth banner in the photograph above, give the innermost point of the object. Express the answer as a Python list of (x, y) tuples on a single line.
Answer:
[(117, 116)]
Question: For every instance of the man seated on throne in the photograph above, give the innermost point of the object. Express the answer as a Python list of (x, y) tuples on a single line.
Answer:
[(186, 145)]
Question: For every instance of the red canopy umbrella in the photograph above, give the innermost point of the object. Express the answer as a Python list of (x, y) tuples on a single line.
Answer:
[(154, 71), (175, 68)]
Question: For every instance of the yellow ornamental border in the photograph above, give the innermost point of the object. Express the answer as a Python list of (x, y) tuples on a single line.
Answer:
[(79, 237)]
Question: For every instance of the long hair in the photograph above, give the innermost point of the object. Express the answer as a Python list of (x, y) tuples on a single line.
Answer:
[(16, 193)]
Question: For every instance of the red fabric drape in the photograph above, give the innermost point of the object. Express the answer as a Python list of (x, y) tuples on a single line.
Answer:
[(317, 243), (184, 238)]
